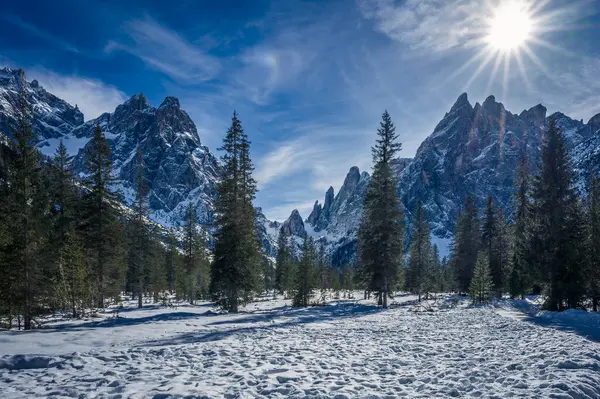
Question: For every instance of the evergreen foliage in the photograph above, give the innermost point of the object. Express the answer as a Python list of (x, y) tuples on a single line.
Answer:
[(593, 241), (420, 265), (284, 264), (556, 225), (481, 286), (493, 242), (100, 225), (466, 245), (236, 268), (521, 275), (304, 280), (381, 232)]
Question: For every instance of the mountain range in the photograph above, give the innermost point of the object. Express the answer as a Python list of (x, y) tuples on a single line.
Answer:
[(474, 149)]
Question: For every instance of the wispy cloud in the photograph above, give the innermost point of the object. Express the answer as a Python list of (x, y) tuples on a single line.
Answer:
[(165, 50), (436, 25), (267, 69), (573, 88), (93, 97), (42, 34)]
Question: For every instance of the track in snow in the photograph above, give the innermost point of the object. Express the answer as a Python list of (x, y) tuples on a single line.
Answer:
[(345, 351)]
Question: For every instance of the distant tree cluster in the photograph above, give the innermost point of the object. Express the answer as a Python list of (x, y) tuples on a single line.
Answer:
[(305, 274)]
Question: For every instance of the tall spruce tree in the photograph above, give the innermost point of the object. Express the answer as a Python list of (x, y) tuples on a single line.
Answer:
[(381, 232), (439, 283), (420, 270), (466, 245), (493, 244), (140, 245), (25, 216), (65, 247), (481, 286), (521, 275), (282, 262), (171, 260), (556, 223), (235, 273), (191, 253), (593, 241), (304, 279), (103, 232)]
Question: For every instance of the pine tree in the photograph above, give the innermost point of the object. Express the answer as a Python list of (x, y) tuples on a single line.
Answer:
[(521, 273), (381, 233), (171, 258), (555, 214), (140, 246), (25, 214), (466, 245), (103, 232), (156, 276), (65, 248), (304, 281), (191, 253), (481, 286), (235, 273), (322, 271), (420, 266), (282, 262), (203, 277), (593, 241), (493, 243), (438, 272)]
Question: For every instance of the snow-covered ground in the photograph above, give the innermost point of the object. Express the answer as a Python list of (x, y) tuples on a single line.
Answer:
[(345, 350)]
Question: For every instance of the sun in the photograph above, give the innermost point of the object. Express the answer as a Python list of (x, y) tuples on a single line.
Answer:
[(510, 27)]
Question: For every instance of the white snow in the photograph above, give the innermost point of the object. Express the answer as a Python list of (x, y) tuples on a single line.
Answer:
[(345, 350)]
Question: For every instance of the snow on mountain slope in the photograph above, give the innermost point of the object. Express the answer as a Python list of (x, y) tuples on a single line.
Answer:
[(177, 169), (53, 118)]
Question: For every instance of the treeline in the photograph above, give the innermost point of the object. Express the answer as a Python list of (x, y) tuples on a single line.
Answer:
[(67, 245)]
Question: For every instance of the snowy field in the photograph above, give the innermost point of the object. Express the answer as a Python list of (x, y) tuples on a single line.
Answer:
[(345, 350)]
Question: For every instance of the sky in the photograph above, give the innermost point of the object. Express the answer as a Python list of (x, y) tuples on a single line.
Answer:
[(309, 79)]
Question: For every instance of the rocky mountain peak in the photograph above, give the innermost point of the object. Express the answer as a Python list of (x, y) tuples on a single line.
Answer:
[(461, 102), (170, 102), (492, 107), (53, 118), (594, 124), (352, 177), (535, 115), (315, 214), (294, 226), (137, 102), (11, 77)]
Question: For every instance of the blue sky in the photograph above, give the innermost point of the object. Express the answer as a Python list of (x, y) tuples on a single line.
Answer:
[(309, 79)]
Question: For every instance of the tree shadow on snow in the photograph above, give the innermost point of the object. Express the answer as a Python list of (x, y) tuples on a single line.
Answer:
[(118, 322), (296, 316), (586, 327)]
